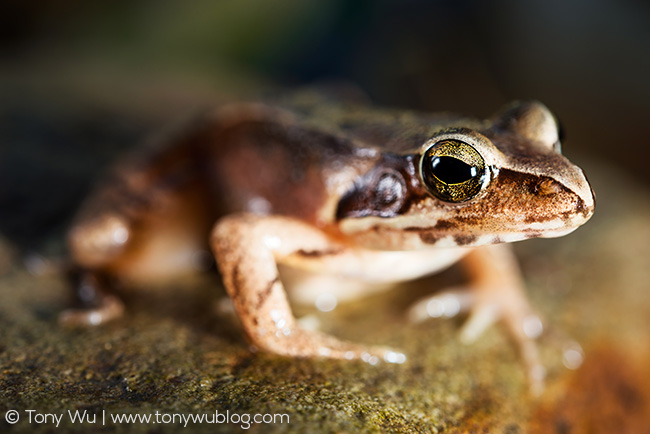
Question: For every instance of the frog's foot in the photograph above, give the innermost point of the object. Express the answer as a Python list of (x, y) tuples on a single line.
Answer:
[(486, 306), (110, 309), (299, 342), (98, 306)]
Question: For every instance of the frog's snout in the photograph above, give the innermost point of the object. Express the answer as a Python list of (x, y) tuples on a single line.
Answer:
[(586, 198), (568, 203), (586, 208)]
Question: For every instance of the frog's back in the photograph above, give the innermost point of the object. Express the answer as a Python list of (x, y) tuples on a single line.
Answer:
[(265, 160), (299, 156), (385, 130), (296, 157)]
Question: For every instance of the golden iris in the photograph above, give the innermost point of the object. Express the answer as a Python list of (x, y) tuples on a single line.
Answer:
[(453, 171)]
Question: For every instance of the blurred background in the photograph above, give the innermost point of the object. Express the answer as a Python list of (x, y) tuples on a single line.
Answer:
[(82, 81)]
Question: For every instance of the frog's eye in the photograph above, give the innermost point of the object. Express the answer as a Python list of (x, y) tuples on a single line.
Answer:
[(453, 171)]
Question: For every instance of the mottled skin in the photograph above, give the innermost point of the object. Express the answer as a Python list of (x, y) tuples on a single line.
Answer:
[(336, 190)]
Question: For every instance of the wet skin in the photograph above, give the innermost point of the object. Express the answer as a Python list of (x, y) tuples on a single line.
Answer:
[(351, 196)]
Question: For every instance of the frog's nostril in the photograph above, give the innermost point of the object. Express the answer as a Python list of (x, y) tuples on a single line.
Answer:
[(547, 187)]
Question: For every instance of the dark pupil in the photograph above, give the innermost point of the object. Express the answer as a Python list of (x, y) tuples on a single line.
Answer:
[(451, 170)]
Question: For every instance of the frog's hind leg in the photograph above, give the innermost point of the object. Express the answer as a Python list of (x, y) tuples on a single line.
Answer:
[(97, 304), (95, 245), (109, 251), (137, 232)]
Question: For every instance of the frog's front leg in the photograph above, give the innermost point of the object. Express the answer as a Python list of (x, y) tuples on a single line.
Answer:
[(248, 248), (495, 293)]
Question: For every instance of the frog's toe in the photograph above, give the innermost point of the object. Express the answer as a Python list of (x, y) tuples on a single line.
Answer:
[(373, 355), (308, 343), (330, 347), (446, 304), (523, 326), (486, 306), (391, 356), (111, 308), (482, 317), (454, 301)]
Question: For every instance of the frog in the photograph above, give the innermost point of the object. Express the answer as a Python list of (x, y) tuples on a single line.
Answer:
[(348, 195)]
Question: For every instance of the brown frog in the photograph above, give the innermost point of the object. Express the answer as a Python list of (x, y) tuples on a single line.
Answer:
[(366, 195)]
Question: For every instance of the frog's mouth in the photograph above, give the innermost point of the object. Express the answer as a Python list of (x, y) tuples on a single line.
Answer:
[(487, 236), (535, 232), (521, 206), (547, 223), (551, 218)]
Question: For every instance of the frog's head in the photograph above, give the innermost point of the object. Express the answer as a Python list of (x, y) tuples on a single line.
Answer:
[(501, 181)]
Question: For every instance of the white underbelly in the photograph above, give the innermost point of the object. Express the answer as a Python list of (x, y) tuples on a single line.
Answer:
[(372, 271), (397, 266)]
